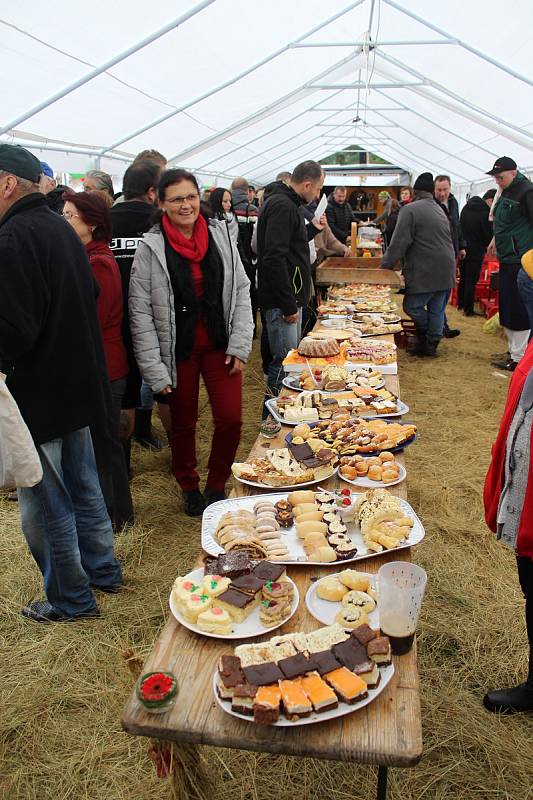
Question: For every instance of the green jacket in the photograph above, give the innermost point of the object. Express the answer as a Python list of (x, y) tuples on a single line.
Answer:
[(513, 225)]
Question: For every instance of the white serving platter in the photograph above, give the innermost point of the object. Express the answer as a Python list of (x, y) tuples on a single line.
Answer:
[(293, 382), (325, 611), (341, 711), (272, 405), (213, 513), (257, 485), (244, 630), (363, 482)]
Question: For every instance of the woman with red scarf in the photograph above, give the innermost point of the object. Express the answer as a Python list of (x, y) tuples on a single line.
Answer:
[(508, 499), (88, 213), (190, 316)]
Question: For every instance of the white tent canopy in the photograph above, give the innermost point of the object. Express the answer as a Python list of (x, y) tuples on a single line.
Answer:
[(228, 88)]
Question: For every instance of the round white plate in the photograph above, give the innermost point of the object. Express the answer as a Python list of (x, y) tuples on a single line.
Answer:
[(341, 711), (283, 488), (297, 555), (377, 314), (365, 483), (293, 382), (340, 323), (243, 630), (325, 611)]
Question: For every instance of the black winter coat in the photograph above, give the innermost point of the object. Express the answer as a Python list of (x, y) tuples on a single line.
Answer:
[(452, 212), (50, 344), (130, 220), (340, 217), (476, 227), (283, 265)]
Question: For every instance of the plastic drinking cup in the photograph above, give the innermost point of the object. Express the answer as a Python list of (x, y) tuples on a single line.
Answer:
[(401, 588)]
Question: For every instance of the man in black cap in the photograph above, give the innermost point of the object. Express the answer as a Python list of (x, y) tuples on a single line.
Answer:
[(513, 236), (422, 238), (51, 351)]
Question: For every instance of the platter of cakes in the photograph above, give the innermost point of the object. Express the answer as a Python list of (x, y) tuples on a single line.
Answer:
[(372, 473), (352, 291), (349, 437), (318, 353), (372, 318), (313, 406), (347, 598), (334, 379), (249, 604), (310, 527), (280, 468), (304, 678)]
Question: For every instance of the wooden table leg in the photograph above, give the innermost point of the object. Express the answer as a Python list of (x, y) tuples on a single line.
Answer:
[(382, 783)]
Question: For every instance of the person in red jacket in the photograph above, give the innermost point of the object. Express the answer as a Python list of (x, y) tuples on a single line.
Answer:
[(508, 500), (88, 213)]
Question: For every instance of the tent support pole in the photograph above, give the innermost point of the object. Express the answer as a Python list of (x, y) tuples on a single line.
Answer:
[(461, 43), (232, 80), (483, 113), (107, 65)]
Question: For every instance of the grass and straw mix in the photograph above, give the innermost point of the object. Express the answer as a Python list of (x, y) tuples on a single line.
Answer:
[(64, 686)]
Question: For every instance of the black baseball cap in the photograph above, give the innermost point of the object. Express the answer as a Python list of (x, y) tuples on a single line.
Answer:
[(20, 162), (502, 165)]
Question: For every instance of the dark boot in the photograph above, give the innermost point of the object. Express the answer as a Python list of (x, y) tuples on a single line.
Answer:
[(450, 333), (417, 349), (430, 349), (213, 495), (510, 701), (143, 430), (194, 503)]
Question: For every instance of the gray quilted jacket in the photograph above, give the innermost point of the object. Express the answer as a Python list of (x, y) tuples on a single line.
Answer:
[(151, 306)]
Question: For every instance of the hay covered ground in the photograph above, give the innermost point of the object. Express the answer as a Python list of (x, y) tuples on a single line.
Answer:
[(63, 687)]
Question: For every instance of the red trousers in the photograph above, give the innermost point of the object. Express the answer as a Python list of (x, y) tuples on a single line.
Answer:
[(225, 395)]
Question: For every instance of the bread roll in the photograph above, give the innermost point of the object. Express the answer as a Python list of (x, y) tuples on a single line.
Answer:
[(375, 473), (325, 554), (354, 580), (311, 516), (304, 508), (304, 528), (302, 496), (331, 588), (314, 541)]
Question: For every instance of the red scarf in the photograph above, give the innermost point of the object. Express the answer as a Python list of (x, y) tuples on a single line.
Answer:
[(193, 249), (496, 474)]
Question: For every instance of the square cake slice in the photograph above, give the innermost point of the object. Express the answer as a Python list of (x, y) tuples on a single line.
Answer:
[(320, 694), (263, 674), (379, 650), (296, 703), (348, 687), (238, 604), (325, 661), (266, 704), (243, 699), (353, 656), (296, 665)]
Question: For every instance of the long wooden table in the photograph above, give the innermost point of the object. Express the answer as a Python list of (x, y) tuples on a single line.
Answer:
[(387, 732)]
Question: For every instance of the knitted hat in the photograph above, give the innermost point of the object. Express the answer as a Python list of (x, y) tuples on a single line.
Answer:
[(47, 169), (424, 183)]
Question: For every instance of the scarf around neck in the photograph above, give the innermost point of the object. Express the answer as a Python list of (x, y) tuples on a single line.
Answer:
[(193, 249)]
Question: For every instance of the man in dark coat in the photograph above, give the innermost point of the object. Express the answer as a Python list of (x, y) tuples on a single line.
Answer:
[(130, 219), (477, 232), (51, 351), (422, 238), (283, 266), (513, 237), (444, 196), (340, 214)]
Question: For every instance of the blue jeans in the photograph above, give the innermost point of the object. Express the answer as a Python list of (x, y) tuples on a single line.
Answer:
[(147, 397), (67, 527), (282, 337), (525, 289), (427, 312)]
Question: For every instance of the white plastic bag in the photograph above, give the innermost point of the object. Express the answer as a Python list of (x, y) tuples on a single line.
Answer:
[(20, 464)]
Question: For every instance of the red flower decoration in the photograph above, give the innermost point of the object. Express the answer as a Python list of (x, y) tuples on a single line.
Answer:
[(156, 687)]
